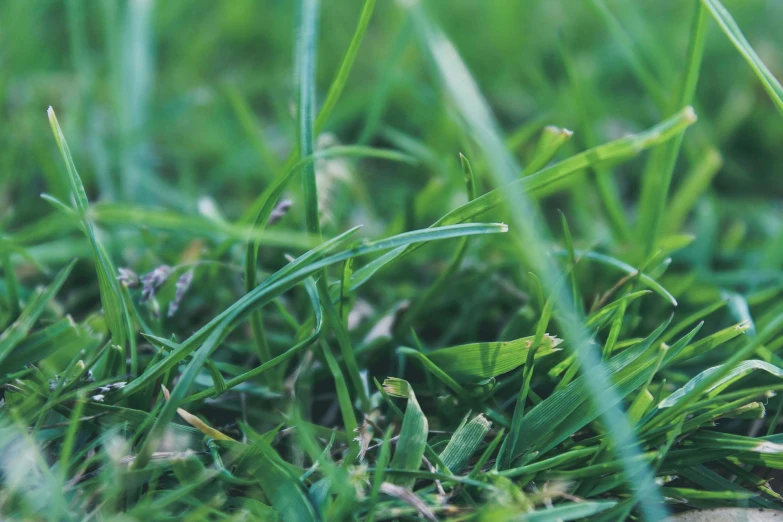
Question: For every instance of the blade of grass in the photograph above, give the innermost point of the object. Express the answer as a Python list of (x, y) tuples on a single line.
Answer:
[(696, 182), (113, 306), (413, 433), (380, 471), (306, 60), (552, 140), (734, 34), (478, 361), (341, 77), (605, 183), (464, 443), (343, 398), (456, 260), (659, 171)]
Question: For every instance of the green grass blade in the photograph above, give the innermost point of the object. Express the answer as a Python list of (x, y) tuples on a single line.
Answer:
[(464, 443), (380, 472), (643, 72), (605, 183), (341, 78), (734, 373), (734, 34), (307, 42), (478, 361), (413, 433), (552, 140), (696, 182), (343, 398), (113, 306), (660, 167)]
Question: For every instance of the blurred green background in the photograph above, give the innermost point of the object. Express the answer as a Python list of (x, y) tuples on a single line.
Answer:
[(143, 89)]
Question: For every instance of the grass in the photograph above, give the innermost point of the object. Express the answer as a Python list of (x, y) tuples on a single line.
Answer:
[(390, 261)]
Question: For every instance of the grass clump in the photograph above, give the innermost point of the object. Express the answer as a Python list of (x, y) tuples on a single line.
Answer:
[(504, 274)]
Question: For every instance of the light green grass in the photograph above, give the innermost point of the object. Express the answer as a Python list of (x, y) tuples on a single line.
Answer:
[(531, 270)]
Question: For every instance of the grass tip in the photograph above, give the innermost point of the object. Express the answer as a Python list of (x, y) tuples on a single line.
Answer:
[(744, 326), (689, 114), (396, 387)]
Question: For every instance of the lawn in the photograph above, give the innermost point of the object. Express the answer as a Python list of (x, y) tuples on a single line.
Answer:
[(365, 260)]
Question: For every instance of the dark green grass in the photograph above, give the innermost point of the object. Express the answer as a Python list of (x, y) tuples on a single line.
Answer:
[(380, 261)]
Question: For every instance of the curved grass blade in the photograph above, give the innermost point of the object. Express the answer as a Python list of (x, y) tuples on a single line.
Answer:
[(343, 398), (113, 305), (734, 34), (737, 372), (471, 363), (413, 434)]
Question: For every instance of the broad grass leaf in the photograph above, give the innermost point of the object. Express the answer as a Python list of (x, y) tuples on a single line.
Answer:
[(413, 434), (470, 363), (464, 443)]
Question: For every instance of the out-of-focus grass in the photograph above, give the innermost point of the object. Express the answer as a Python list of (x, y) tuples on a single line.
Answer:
[(539, 371)]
